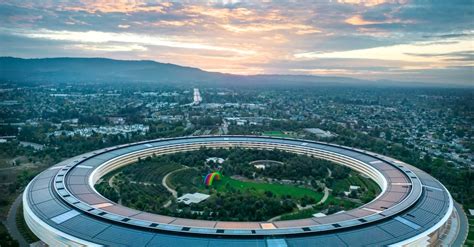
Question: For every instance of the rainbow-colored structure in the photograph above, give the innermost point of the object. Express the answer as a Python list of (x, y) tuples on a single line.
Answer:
[(211, 177)]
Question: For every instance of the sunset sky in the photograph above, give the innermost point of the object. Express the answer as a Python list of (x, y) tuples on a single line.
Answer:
[(429, 41)]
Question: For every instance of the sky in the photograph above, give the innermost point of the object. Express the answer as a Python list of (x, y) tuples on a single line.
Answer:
[(402, 40)]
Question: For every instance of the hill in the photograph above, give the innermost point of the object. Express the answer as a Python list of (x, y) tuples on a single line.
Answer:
[(103, 70)]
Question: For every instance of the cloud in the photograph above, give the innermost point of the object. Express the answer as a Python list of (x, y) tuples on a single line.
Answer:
[(116, 6), (339, 72), (225, 13), (358, 20), (447, 36), (266, 27), (467, 56), (371, 3), (361, 38), (131, 38), (412, 52), (112, 48)]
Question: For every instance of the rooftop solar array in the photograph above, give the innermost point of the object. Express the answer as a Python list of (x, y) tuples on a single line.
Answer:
[(63, 199)]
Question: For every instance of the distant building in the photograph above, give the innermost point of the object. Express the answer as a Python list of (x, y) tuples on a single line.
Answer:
[(35, 146), (241, 122), (105, 130), (262, 164), (170, 118), (71, 121), (117, 120), (320, 133)]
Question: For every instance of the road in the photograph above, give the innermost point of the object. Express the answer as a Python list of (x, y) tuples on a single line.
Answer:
[(11, 222)]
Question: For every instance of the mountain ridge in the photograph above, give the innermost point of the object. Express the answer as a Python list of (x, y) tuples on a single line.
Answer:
[(106, 70)]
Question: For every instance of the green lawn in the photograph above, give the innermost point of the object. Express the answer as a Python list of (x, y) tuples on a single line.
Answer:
[(470, 236), (276, 189), (188, 180), (24, 230), (302, 214), (275, 134), (355, 179)]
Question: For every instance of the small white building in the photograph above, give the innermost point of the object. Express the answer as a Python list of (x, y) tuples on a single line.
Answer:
[(215, 160), (354, 187), (241, 122), (318, 215), (192, 198), (260, 166)]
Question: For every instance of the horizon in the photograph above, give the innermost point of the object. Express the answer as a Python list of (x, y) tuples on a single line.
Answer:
[(354, 82), (402, 41)]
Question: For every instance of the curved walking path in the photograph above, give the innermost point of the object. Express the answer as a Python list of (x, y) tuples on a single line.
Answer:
[(163, 182), (325, 196), (111, 184), (323, 199), (171, 190)]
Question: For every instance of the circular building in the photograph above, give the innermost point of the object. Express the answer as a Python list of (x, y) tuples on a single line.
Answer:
[(62, 207)]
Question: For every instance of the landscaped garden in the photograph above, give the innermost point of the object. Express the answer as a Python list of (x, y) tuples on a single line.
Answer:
[(290, 186)]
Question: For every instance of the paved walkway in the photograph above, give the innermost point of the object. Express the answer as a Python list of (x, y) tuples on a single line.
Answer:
[(111, 184), (163, 182), (323, 199), (325, 196), (11, 222), (171, 190), (274, 218)]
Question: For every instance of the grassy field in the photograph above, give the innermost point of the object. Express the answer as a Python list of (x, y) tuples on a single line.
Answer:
[(25, 231), (276, 189), (355, 179), (139, 185), (188, 180), (470, 236), (275, 134), (302, 214), (191, 180)]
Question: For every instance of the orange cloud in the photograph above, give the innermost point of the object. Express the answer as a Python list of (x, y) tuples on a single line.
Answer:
[(358, 20), (121, 6), (371, 3), (265, 27), (218, 13), (192, 22), (344, 72)]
